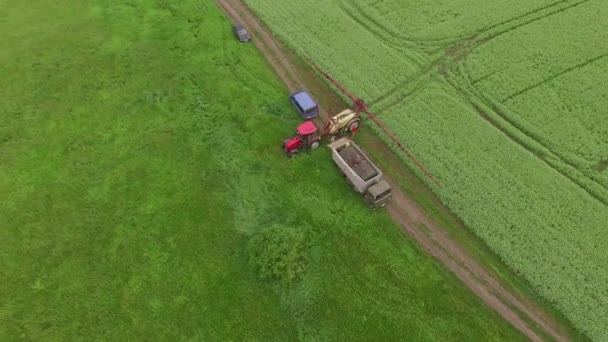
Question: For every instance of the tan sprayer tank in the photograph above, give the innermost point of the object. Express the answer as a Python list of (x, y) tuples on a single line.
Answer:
[(345, 121)]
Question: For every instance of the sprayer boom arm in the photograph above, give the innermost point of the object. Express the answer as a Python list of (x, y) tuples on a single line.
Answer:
[(360, 107)]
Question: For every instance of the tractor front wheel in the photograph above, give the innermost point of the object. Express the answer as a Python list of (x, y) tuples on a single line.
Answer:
[(292, 153)]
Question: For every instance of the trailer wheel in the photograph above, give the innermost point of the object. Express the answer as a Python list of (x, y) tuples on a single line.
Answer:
[(353, 125)]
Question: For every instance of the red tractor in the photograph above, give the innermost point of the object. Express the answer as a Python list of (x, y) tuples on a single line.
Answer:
[(307, 138)]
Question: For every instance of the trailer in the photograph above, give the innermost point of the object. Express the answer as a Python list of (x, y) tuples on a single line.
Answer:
[(363, 175)]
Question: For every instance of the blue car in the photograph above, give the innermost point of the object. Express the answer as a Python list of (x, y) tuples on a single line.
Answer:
[(304, 104)]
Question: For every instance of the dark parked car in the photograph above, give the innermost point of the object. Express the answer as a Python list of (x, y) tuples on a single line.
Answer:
[(241, 32)]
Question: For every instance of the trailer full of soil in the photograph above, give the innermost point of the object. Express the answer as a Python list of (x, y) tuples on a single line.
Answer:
[(358, 162), (364, 176)]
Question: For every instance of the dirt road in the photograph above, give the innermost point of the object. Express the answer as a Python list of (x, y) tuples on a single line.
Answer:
[(407, 213)]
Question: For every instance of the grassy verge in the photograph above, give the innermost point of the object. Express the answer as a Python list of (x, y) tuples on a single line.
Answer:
[(139, 158)]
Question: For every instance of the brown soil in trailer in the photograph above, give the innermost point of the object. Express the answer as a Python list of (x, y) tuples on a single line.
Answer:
[(520, 312)]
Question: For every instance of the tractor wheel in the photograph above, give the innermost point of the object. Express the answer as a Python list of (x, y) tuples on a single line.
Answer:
[(315, 144), (292, 153), (353, 125)]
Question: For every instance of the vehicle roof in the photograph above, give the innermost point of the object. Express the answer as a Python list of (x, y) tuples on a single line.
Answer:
[(304, 100), (379, 188), (307, 128)]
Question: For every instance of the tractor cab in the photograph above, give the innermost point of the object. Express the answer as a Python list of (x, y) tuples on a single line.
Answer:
[(306, 138)]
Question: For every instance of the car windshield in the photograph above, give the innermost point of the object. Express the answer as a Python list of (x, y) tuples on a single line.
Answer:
[(310, 110), (242, 31)]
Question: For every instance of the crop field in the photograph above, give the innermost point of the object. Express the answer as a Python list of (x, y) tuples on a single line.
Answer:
[(143, 195), (505, 103)]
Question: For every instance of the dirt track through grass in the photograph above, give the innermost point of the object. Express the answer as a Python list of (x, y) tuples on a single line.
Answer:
[(518, 311)]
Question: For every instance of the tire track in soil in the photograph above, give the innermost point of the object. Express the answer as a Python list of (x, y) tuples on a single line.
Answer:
[(455, 48), (443, 42), (455, 54), (464, 85), (411, 217), (495, 104), (423, 45), (464, 45), (554, 76), (385, 35), (526, 21)]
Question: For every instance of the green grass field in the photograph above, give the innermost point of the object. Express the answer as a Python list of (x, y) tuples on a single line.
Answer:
[(139, 157), (504, 102)]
